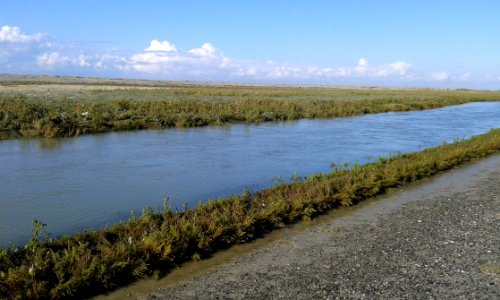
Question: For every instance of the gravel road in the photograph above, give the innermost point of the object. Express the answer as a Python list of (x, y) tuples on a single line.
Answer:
[(438, 239)]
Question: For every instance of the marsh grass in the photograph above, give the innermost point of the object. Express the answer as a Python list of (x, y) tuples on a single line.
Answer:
[(53, 111), (86, 263)]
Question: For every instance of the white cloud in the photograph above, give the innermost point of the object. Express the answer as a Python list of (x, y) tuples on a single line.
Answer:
[(17, 48), (362, 65), (440, 76), (55, 60), (226, 62), (108, 61), (251, 71), (206, 50), (51, 60), (285, 71), (464, 77), (164, 59), (164, 46), (154, 58), (13, 34), (320, 72), (82, 62), (360, 71), (398, 68), (342, 72), (23, 53)]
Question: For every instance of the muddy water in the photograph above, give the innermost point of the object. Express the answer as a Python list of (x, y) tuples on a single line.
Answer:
[(91, 181)]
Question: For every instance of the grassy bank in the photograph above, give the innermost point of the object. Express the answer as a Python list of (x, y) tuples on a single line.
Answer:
[(96, 261), (62, 110)]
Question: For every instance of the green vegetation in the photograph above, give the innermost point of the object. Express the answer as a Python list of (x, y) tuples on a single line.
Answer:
[(63, 110), (96, 261)]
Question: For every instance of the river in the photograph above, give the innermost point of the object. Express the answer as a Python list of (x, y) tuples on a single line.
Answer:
[(91, 181)]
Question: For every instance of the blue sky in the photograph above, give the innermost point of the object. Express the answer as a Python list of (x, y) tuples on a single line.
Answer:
[(394, 43)]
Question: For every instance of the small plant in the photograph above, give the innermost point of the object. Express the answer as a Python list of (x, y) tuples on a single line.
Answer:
[(36, 231), (296, 178)]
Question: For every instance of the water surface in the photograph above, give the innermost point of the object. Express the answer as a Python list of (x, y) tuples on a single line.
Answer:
[(91, 181)]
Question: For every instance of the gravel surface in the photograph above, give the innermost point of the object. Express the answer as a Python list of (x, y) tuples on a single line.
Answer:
[(435, 240)]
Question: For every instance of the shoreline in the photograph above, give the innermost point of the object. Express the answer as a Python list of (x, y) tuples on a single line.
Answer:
[(405, 244)]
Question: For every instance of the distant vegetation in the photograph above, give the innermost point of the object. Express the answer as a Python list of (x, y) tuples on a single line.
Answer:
[(90, 262), (63, 110)]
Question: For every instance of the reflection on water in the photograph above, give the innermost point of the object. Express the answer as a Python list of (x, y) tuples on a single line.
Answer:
[(48, 144), (95, 180)]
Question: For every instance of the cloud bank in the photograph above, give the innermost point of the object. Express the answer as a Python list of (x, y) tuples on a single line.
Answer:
[(37, 54), (13, 35)]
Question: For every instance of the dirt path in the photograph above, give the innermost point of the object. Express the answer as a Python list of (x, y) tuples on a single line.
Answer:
[(434, 240)]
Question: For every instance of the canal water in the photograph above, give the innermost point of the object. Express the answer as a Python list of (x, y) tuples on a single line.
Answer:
[(92, 181)]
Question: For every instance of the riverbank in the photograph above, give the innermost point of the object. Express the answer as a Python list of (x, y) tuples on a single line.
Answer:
[(432, 240), (65, 107), (91, 262)]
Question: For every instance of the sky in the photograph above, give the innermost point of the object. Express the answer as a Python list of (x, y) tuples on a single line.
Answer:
[(426, 43)]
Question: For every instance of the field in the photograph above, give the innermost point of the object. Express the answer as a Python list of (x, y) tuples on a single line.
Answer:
[(64, 107)]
